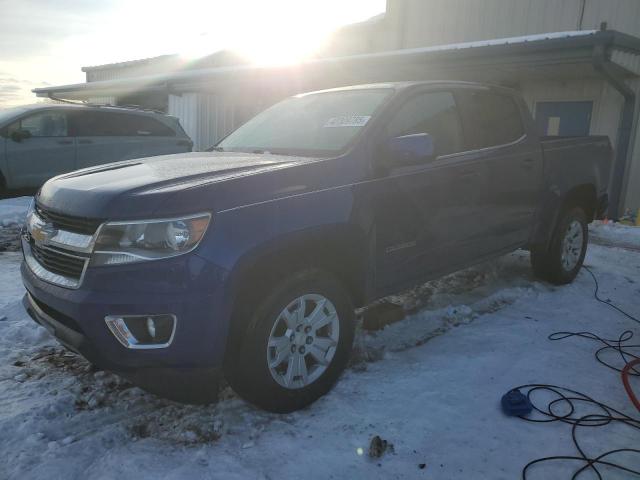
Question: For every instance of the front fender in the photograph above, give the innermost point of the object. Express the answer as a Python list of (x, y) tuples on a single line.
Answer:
[(301, 225)]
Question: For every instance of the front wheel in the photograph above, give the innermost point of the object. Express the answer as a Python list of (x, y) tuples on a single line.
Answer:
[(297, 343), (561, 262)]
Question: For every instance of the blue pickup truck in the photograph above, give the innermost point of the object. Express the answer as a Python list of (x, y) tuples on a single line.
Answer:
[(248, 261)]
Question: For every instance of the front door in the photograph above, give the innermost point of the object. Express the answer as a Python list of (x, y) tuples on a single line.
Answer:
[(47, 152), (425, 214)]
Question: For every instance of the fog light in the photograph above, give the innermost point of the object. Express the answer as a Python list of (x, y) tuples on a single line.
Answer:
[(143, 331)]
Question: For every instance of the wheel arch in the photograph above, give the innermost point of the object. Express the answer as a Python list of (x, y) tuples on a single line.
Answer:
[(338, 250), (583, 196), (554, 203)]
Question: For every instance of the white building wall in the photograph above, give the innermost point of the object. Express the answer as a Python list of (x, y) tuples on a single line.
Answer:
[(205, 117), (607, 108), (606, 102), (185, 108), (102, 100)]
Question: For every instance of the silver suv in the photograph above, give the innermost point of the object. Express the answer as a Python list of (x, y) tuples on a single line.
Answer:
[(38, 142)]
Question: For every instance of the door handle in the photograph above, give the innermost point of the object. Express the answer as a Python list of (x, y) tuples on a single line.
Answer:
[(527, 163), (85, 142), (65, 142)]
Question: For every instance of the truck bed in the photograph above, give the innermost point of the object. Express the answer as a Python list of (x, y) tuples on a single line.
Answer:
[(574, 161)]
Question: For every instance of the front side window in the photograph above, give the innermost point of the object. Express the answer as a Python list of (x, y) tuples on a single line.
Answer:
[(489, 119), (43, 124), (7, 114), (321, 123), (434, 113)]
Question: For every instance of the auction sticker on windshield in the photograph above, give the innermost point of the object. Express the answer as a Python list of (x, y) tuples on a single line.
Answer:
[(348, 121)]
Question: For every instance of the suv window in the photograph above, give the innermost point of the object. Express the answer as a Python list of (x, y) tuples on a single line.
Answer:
[(434, 113), (101, 124), (489, 119), (43, 124)]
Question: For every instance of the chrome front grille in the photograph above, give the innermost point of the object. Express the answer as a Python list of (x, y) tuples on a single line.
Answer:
[(53, 266), (59, 262), (57, 248)]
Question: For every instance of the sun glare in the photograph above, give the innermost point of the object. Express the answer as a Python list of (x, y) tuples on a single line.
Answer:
[(275, 32)]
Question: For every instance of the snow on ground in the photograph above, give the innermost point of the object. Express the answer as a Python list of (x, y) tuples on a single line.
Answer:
[(430, 385), (13, 210), (12, 213), (615, 233)]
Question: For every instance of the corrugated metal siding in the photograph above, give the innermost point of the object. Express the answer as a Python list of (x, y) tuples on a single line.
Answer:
[(632, 192), (436, 22), (103, 100), (185, 108), (205, 117), (622, 15), (627, 60)]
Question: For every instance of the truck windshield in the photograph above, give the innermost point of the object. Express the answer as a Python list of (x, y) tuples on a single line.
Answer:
[(318, 124)]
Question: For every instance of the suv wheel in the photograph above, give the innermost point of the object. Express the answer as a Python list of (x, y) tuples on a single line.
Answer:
[(296, 345), (562, 261)]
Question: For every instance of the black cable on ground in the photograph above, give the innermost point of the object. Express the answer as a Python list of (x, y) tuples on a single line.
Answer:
[(619, 345), (569, 401), (597, 297)]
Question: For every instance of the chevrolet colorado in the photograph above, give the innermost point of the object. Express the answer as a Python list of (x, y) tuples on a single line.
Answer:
[(248, 261)]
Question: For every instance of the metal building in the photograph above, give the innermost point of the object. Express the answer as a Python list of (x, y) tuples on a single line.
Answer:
[(576, 78)]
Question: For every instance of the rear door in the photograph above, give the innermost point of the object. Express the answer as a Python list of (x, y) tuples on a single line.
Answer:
[(425, 214), (495, 135), (49, 151), (107, 136)]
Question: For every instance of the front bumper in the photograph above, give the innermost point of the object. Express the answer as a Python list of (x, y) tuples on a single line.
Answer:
[(188, 287)]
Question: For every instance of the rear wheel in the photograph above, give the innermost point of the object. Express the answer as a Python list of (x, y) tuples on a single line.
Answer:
[(296, 344), (561, 262)]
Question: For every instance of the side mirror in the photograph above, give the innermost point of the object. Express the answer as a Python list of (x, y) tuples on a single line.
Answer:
[(19, 135), (410, 149)]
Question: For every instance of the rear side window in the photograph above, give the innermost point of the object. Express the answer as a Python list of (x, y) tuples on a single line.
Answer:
[(44, 124), (109, 124), (434, 113), (489, 119)]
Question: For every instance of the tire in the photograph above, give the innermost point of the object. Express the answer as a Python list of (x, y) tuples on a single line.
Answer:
[(562, 261), (262, 371)]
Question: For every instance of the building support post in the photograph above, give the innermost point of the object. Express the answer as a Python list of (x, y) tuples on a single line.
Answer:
[(603, 66)]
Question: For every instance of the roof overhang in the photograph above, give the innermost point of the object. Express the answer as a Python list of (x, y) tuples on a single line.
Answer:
[(561, 54)]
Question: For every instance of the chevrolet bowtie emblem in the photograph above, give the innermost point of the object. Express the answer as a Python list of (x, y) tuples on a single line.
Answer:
[(41, 231)]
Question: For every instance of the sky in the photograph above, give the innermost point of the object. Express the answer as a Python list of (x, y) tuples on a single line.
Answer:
[(46, 42)]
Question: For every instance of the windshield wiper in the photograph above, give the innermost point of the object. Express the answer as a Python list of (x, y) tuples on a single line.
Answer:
[(213, 148)]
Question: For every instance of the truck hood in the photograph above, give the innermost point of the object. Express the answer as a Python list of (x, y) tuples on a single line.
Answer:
[(136, 188)]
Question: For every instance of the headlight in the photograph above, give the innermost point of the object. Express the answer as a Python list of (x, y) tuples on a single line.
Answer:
[(128, 242)]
